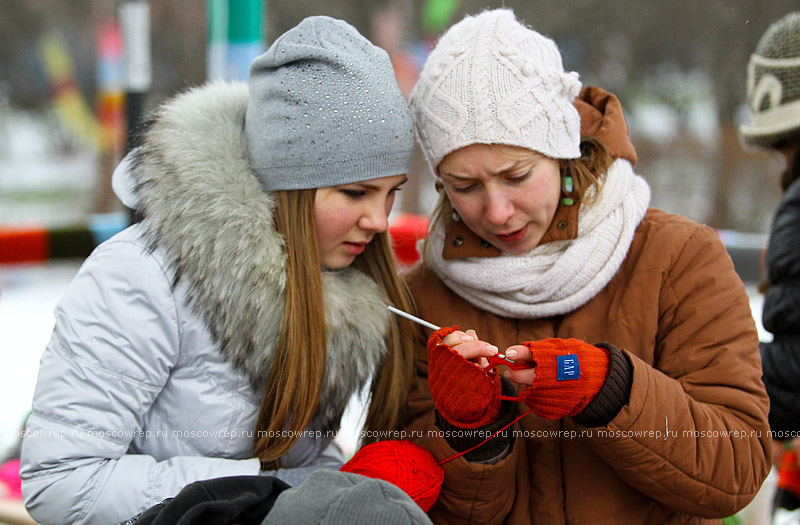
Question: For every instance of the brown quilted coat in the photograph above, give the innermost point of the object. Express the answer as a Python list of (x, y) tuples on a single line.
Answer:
[(691, 446)]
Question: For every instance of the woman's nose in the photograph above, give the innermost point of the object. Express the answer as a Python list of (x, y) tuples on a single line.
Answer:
[(499, 208), (375, 218)]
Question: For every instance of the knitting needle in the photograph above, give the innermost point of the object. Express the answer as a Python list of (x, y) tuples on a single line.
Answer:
[(410, 317), (432, 326)]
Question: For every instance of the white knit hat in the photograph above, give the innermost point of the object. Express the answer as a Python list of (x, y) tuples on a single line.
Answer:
[(492, 80)]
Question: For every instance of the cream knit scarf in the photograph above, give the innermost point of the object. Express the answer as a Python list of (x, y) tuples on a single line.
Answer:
[(560, 276)]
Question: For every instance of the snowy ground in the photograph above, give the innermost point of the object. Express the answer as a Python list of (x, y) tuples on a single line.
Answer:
[(28, 294)]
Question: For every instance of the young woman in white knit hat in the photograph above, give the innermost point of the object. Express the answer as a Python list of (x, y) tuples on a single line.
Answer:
[(773, 96), (636, 393), (225, 333)]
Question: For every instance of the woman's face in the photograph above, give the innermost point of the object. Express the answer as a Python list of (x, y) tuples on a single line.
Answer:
[(347, 217), (506, 195)]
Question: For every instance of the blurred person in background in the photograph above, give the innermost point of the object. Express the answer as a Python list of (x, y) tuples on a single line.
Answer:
[(10, 484), (12, 509), (225, 333), (773, 96), (640, 395)]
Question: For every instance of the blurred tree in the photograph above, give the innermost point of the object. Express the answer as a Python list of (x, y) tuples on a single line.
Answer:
[(619, 45), (178, 44), (21, 27)]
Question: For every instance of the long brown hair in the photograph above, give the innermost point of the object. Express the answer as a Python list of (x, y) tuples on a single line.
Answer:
[(585, 171), (294, 384)]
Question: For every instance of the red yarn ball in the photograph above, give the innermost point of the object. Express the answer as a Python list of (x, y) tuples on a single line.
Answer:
[(403, 463)]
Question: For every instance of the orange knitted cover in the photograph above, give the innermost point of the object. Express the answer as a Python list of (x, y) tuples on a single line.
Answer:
[(569, 373), (465, 394)]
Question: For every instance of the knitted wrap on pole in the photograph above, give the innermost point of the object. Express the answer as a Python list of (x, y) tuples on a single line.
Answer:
[(465, 394)]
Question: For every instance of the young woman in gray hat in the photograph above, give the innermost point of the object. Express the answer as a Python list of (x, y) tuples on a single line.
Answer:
[(225, 333), (773, 96), (640, 396)]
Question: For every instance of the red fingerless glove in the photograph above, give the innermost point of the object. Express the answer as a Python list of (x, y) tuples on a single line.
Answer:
[(465, 394), (569, 373)]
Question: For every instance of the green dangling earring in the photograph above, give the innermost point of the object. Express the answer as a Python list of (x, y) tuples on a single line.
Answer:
[(566, 186)]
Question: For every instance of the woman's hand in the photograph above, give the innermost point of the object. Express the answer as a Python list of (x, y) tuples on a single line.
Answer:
[(520, 353), (470, 347), (466, 394), (568, 375)]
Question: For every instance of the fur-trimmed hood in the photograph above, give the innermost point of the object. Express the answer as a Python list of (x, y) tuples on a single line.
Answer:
[(205, 208)]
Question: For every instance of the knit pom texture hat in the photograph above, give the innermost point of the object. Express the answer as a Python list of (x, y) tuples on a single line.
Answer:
[(492, 80), (773, 85), (325, 110), (332, 497)]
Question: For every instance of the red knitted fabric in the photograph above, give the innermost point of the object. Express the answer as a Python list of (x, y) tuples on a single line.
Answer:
[(465, 394), (789, 473), (563, 387)]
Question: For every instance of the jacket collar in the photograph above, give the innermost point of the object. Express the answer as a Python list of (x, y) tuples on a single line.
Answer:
[(461, 242)]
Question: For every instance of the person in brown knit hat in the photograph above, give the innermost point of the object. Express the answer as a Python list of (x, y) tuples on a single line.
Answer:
[(773, 97)]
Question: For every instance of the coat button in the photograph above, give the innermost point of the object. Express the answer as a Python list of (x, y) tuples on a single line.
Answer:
[(485, 244), (561, 225), (458, 241)]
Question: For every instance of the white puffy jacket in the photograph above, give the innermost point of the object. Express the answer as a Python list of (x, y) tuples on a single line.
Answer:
[(152, 378)]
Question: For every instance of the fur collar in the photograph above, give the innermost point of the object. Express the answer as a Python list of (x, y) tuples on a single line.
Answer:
[(207, 210)]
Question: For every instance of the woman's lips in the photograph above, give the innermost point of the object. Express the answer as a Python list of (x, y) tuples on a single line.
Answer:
[(354, 248), (513, 237)]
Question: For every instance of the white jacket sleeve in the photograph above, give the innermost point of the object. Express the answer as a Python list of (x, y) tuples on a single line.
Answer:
[(114, 343)]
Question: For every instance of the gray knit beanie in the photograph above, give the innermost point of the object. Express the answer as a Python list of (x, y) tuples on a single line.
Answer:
[(773, 84), (331, 497), (325, 110)]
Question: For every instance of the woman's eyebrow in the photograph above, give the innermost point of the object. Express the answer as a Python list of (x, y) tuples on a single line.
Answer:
[(455, 176), (503, 171)]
